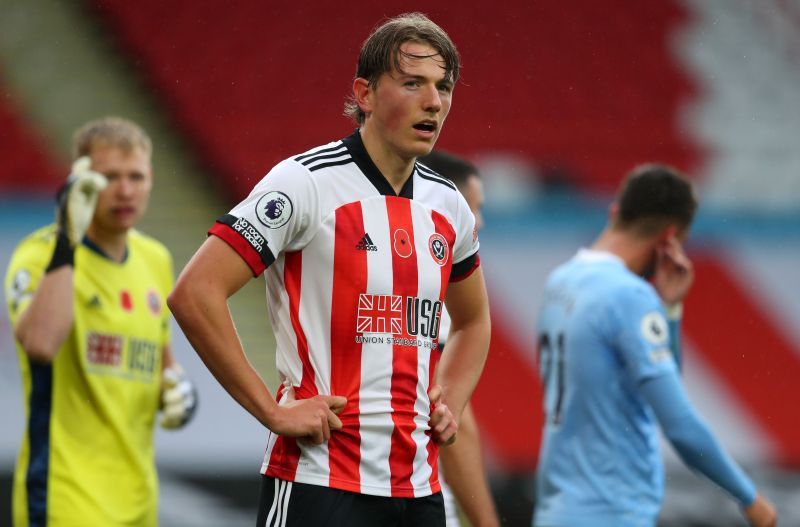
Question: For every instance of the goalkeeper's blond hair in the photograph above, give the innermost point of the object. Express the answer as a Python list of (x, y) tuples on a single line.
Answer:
[(110, 131)]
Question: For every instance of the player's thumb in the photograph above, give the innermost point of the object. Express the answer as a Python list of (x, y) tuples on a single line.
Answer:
[(435, 393), (335, 402)]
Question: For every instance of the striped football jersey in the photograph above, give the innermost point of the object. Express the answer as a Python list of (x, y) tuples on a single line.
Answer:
[(356, 278)]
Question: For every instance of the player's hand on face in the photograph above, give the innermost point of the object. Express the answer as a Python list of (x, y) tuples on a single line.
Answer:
[(761, 513), (311, 420), (674, 273), (77, 199), (443, 425)]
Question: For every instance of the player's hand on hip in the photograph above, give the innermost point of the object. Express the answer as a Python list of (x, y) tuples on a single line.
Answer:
[(77, 199), (761, 513), (442, 422), (674, 273), (178, 398), (310, 420)]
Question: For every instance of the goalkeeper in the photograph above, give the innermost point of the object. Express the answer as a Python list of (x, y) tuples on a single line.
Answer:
[(86, 298)]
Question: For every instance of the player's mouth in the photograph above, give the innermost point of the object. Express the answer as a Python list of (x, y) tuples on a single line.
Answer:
[(426, 128), (124, 212)]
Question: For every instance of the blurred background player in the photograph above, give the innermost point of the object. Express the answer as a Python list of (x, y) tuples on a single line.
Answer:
[(87, 301), (360, 245), (610, 369), (462, 462)]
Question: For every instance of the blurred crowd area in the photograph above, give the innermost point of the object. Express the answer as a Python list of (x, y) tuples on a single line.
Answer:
[(555, 104)]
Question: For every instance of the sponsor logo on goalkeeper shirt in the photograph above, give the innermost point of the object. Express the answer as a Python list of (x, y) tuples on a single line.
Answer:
[(398, 320), (103, 349)]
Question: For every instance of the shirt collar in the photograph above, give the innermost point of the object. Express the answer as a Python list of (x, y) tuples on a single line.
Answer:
[(355, 145)]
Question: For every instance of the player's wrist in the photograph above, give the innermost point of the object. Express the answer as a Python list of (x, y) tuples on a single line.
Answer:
[(63, 253)]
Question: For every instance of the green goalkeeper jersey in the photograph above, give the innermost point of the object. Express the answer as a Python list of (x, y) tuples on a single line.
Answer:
[(87, 453)]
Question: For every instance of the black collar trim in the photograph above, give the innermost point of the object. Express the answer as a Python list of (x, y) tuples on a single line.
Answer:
[(89, 244), (360, 155)]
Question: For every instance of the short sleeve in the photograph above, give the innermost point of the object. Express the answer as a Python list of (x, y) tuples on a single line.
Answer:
[(275, 217), (465, 249), (25, 271), (641, 333)]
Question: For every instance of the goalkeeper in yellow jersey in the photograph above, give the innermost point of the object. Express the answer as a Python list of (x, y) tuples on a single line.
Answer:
[(87, 301)]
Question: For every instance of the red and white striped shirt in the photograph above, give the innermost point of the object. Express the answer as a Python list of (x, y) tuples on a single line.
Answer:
[(356, 277)]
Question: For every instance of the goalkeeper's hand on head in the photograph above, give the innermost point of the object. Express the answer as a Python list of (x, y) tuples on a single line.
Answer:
[(77, 200), (178, 398)]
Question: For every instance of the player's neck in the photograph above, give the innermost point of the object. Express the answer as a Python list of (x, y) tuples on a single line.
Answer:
[(394, 168), (636, 252), (113, 243)]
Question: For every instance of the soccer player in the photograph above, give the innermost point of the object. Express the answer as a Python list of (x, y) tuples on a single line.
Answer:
[(462, 463), (610, 369), (87, 301), (361, 247)]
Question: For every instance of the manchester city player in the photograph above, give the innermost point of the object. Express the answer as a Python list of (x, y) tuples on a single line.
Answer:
[(610, 369)]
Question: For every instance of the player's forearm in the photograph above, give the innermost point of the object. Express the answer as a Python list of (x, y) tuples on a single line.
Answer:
[(206, 322), (692, 439), (46, 322), (463, 468)]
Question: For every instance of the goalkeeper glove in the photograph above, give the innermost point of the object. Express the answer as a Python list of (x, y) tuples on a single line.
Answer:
[(178, 398), (78, 198)]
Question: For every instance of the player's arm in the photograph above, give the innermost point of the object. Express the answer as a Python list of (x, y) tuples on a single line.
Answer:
[(199, 304), (462, 463), (467, 344), (698, 448), (46, 322)]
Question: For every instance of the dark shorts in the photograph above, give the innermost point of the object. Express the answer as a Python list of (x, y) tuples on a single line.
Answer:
[(288, 504)]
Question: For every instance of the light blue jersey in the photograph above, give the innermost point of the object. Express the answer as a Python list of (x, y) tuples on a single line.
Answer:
[(610, 380), (602, 332)]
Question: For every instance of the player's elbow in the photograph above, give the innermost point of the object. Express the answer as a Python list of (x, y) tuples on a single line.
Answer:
[(36, 344), (180, 301)]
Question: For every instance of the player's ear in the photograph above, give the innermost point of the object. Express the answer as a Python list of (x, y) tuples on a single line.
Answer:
[(363, 94), (669, 232), (613, 212)]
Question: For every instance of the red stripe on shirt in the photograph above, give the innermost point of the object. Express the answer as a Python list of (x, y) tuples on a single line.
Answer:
[(292, 272), (404, 358), (227, 234), (444, 228), (286, 453), (349, 281)]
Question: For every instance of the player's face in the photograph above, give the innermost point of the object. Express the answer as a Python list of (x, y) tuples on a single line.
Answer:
[(407, 108), (123, 202), (473, 193)]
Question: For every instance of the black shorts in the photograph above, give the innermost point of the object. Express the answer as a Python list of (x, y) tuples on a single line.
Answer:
[(288, 504)]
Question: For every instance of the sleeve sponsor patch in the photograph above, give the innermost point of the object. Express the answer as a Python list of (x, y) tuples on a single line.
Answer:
[(20, 288), (654, 328), (274, 209)]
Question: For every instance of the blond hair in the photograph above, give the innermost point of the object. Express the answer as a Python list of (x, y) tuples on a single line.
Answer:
[(110, 131)]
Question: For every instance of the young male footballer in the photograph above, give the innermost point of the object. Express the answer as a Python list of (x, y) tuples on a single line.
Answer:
[(87, 301), (361, 247), (609, 357)]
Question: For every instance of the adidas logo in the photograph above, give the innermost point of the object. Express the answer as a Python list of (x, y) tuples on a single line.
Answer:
[(365, 244), (94, 302)]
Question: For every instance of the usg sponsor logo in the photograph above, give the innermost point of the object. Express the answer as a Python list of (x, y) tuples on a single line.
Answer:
[(397, 315)]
